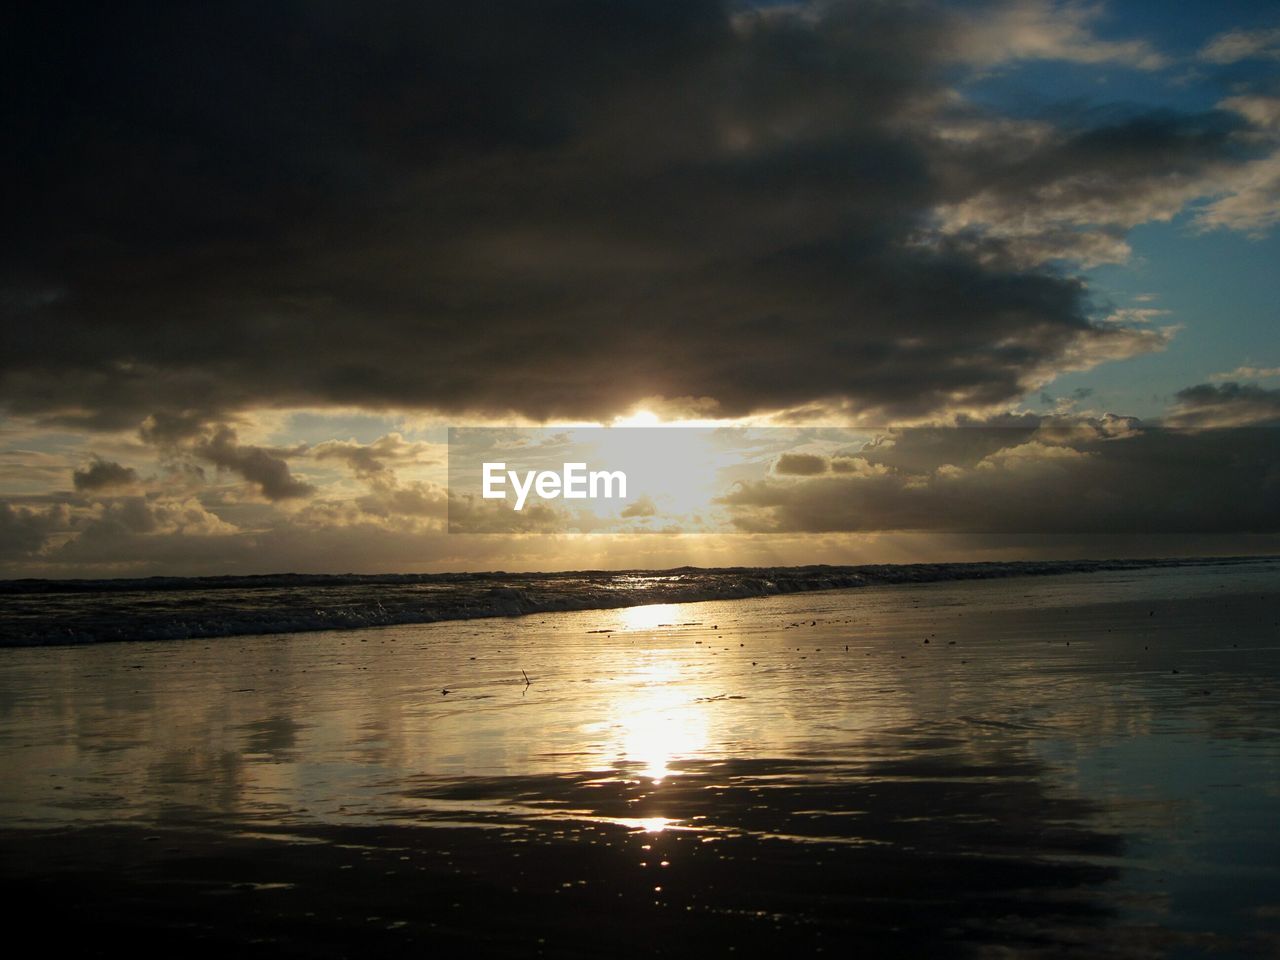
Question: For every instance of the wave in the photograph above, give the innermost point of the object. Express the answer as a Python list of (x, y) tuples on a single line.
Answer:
[(55, 612)]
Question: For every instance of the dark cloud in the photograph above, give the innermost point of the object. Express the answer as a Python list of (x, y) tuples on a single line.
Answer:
[(1035, 193), (1225, 405), (185, 435), (256, 464), (168, 428), (103, 475), (371, 460), (800, 465), (556, 209), (923, 449), (1104, 477), (24, 530)]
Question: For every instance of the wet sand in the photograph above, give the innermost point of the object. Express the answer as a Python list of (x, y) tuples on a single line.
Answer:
[(1081, 766)]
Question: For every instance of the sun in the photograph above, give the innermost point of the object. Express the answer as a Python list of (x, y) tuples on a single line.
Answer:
[(639, 418)]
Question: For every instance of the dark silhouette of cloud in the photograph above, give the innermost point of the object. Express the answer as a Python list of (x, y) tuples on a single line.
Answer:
[(25, 530), (553, 209), (800, 465), (1227, 404), (256, 464), (1101, 477), (103, 475)]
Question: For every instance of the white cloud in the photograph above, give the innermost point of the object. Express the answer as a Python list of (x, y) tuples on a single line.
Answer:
[(1129, 315), (1251, 204), (1228, 404), (1045, 30), (1261, 111), (1236, 45), (1247, 372)]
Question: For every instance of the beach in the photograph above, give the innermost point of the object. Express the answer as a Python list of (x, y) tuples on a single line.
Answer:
[(639, 479), (1077, 765)]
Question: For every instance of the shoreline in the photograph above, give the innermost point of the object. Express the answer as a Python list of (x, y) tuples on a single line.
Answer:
[(43, 613)]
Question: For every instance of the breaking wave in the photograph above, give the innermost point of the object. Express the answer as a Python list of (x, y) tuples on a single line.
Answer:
[(48, 612)]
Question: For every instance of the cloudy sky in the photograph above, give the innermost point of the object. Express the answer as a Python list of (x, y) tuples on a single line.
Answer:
[(259, 258)]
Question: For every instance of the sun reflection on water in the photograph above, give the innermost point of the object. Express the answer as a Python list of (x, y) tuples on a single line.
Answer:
[(649, 617), (658, 721), (648, 824)]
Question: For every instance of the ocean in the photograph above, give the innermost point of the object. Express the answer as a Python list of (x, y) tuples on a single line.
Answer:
[(1085, 764), (43, 612)]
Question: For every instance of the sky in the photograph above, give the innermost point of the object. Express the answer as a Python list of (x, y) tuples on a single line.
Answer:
[(260, 259)]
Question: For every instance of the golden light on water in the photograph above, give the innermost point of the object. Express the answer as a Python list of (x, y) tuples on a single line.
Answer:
[(658, 730), (658, 721), (649, 617), (650, 824)]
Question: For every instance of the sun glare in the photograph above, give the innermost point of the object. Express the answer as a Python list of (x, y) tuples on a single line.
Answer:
[(649, 617), (658, 722), (640, 418)]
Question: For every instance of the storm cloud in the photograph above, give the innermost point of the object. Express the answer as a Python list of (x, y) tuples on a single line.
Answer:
[(259, 466), (558, 209), (102, 474), (1107, 476)]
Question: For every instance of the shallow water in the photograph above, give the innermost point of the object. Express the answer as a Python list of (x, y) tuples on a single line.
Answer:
[(1082, 764)]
